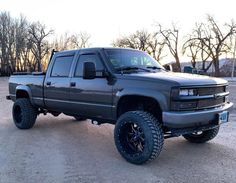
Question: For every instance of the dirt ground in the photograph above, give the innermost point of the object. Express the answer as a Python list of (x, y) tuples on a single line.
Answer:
[(63, 150)]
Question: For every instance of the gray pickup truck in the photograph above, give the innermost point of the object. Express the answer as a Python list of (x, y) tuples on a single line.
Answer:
[(127, 88)]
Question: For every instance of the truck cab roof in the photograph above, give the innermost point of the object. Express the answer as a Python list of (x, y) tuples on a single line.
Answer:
[(68, 52)]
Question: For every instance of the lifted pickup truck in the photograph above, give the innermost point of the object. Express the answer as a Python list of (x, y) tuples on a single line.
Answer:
[(127, 88)]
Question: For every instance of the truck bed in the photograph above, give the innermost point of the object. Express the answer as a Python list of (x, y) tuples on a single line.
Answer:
[(34, 81)]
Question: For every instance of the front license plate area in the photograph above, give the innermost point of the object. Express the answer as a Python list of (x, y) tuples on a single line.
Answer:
[(223, 117)]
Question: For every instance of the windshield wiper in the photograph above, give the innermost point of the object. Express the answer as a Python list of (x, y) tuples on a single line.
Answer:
[(155, 68), (130, 68)]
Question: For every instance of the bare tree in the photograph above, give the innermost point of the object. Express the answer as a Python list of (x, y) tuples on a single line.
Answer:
[(138, 40), (171, 37), (71, 41), (6, 42), (13, 43), (191, 49), (142, 40), (21, 35), (214, 40), (197, 51), (24, 46), (81, 40), (156, 46), (40, 46)]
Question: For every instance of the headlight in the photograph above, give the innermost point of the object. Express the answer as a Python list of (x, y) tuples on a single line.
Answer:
[(180, 96), (187, 92)]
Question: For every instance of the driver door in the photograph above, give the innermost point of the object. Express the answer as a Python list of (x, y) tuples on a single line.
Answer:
[(90, 97)]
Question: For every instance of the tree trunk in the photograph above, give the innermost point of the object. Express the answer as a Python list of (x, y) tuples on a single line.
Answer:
[(177, 63), (217, 67), (203, 65), (194, 64)]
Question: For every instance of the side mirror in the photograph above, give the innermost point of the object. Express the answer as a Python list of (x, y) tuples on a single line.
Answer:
[(89, 71), (168, 67)]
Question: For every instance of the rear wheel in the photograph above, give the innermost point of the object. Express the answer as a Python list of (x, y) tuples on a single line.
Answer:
[(138, 137), (24, 114), (203, 136)]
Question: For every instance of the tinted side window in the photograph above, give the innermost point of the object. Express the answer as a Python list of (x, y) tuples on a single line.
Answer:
[(61, 67), (88, 58)]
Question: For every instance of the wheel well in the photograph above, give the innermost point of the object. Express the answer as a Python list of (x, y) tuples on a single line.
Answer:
[(22, 94), (135, 102)]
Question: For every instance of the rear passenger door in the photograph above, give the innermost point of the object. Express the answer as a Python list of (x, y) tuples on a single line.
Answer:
[(57, 84), (90, 97)]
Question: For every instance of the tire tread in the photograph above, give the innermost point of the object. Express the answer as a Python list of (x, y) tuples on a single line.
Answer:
[(29, 113), (155, 130), (206, 136)]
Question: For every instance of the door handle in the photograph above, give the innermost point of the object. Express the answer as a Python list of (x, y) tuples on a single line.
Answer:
[(48, 83), (72, 84)]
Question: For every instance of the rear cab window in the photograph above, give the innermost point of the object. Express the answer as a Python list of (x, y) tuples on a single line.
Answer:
[(62, 66)]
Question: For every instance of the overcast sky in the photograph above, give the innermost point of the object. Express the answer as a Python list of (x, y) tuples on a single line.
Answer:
[(105, 20)]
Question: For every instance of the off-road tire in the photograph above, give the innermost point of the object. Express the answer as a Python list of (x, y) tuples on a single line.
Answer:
[(203, 137), (153, 136), (24, 114)]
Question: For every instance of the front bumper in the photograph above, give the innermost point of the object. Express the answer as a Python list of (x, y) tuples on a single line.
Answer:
[(192, 118)]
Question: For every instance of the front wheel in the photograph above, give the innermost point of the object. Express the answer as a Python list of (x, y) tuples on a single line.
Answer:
[(138, 137), (202, 137), (24, 114)]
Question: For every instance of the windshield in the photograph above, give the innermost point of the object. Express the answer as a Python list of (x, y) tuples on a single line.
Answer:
[(121, 58)]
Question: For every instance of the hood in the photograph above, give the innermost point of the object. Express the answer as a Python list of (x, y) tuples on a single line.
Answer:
[(182, 79)]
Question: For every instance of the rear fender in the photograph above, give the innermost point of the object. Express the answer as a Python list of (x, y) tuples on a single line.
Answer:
[(25, 89)]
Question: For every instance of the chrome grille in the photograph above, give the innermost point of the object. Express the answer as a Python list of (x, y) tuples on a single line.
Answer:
[(210, 90), (210, 102), (204, 98)]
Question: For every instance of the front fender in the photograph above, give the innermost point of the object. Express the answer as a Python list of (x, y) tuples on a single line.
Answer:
[(158, 96)]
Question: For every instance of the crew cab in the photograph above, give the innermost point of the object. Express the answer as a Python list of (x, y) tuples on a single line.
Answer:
[(127, 88)]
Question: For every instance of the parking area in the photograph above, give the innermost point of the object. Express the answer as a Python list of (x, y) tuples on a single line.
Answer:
[(59, 149)]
